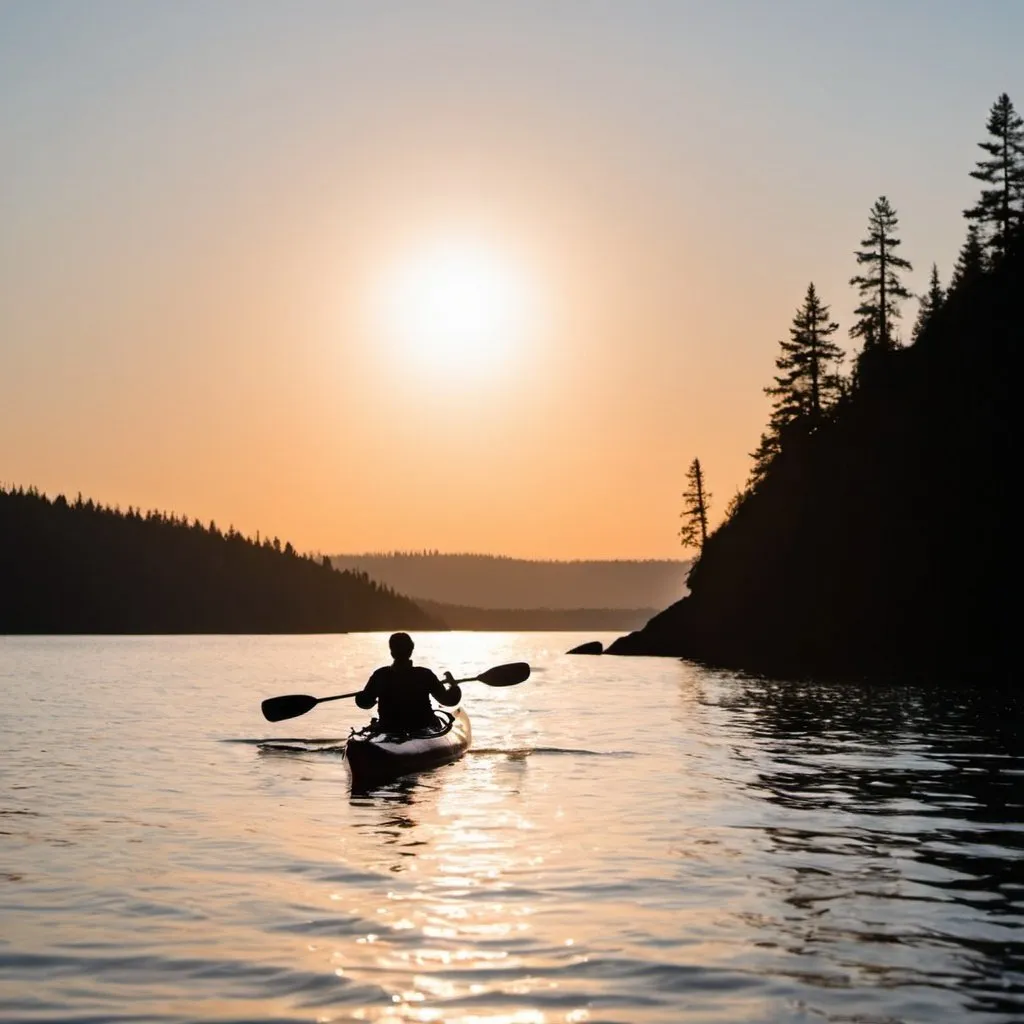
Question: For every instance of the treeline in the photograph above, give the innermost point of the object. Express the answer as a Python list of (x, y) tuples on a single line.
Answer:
[(876, 531), (80, 567)]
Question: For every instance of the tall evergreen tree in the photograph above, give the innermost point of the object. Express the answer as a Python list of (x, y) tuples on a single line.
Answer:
[(1002, 205), (971, 262), (931, 302), (809, 382), (694, 531), (880, 286)]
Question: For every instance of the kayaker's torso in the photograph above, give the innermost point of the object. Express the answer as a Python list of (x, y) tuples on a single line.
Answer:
[(402, 693)]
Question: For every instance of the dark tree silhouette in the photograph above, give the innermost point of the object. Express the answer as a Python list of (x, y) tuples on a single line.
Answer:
[(931, 302), (1001, 206), (694, 531), (971, 264), (843, 560), (848, 557), (736, 502), (880, 286), (768, 447), (809, 382), (81, 568)]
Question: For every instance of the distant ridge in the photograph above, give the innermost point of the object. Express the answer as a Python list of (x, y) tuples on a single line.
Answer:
[(537, 619), (496, 582)]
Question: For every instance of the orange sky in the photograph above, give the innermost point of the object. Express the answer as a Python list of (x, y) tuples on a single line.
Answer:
[(200, 204)]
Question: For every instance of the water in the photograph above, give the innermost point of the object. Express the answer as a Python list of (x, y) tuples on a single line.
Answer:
[(631, 840)]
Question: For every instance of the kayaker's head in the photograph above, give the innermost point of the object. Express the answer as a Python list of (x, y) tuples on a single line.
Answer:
[(401, 646)]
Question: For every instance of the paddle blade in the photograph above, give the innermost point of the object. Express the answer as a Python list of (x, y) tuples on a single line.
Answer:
[(506, 675), (275, 709)]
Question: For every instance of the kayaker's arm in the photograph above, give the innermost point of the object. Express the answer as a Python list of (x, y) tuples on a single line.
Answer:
[(446, 692), (367, 696)]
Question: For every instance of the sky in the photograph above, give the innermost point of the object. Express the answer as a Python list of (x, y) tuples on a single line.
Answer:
[(462, 276)]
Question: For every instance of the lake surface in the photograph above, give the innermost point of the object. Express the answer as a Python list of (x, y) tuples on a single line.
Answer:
[(630, 840)]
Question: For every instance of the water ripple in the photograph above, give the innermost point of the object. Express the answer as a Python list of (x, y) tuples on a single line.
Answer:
[(733, 850)]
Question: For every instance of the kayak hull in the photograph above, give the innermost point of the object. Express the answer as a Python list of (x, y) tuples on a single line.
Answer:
[(374, 758)]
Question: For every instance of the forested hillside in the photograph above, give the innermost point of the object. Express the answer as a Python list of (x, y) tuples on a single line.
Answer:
[(489, 581), (836, 557), (77, 567)]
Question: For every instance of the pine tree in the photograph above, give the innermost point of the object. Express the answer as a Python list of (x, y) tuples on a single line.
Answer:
[(736, 502), (809, 382), (694, 531), (971, 263), (931, 302), (880, 288), (1001, 205), (767, 448)]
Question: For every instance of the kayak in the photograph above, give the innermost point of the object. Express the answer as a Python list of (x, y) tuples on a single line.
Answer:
[(374, 756)]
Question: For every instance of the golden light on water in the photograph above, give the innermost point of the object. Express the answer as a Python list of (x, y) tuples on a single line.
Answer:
[(459, 306)]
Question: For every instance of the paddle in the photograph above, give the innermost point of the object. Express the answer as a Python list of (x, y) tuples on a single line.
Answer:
[(291, 705)]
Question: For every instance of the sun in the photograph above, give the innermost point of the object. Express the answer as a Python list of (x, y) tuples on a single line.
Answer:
[(458, 306)]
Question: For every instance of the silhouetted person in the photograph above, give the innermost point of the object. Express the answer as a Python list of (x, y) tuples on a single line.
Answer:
[(402, 690)]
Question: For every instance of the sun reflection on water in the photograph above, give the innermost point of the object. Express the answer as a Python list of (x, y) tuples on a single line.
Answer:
[(454, 942), (731, 850)]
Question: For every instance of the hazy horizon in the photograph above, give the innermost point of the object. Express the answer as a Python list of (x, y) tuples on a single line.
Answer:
[(487, 554), (225, 226)]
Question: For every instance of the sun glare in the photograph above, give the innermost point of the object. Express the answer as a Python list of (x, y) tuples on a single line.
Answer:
[(457, 307)]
